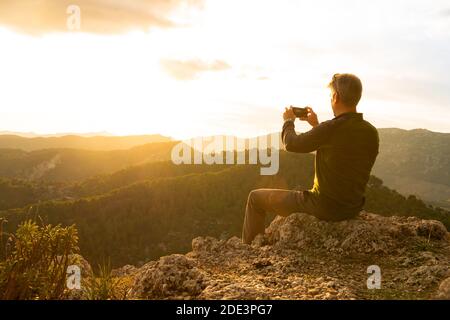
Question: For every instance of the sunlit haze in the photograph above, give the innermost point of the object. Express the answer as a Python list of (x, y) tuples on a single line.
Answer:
[(224, 67)]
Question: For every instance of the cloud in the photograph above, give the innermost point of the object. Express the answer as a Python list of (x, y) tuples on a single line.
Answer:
[(97, 16), (190, 69), (445, 13)]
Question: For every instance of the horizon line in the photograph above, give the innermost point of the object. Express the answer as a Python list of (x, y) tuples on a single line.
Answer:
[(106, 134)]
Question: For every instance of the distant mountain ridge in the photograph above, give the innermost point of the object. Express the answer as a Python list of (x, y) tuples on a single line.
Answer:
[(98, 143), (48, 135)]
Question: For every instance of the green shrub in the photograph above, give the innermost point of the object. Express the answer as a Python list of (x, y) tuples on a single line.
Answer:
[(34, 261)]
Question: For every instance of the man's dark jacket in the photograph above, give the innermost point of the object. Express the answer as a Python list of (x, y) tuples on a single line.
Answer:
[(347, 147)]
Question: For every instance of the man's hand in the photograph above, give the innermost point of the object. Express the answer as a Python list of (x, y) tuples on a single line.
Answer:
[(289, 114), (311, 118)]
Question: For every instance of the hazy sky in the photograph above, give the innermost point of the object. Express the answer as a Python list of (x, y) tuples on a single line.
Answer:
[(189, 67)]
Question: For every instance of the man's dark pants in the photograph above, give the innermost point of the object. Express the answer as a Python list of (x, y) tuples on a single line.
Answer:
[(282, 203)]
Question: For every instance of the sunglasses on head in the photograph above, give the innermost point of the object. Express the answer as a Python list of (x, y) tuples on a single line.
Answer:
[(334, 82)]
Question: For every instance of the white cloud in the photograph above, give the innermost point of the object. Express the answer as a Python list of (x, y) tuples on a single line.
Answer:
[(97, 16), (190, 69)]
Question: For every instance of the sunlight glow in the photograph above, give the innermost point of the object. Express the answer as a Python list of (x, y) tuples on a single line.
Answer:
[(279, 52)]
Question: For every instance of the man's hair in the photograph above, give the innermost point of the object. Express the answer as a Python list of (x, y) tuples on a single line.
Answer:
[(348, 87)]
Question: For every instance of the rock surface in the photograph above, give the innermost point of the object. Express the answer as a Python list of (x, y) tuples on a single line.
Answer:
[(444, 290), (86, 273), (300, 257), (127, 270), (169, 277), (83, 264)]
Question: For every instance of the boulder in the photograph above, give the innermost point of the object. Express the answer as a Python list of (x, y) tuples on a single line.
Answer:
[(444, 290), (170, 277), (301, 257)]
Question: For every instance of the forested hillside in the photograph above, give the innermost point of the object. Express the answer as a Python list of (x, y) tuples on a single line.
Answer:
[(16, 193), (68, 165), (416, 162), (160, 207), (411, 162)]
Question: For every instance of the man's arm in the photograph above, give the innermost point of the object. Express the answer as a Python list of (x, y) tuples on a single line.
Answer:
[(305, 142)]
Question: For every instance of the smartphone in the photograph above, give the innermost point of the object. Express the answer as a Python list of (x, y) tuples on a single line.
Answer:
[(300, 112)]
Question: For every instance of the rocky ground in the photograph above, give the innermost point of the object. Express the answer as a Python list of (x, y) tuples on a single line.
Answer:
[(300, 257)]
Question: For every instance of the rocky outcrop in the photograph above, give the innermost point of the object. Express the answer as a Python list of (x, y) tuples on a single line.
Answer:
[(172, 276), (127, 270), (300, 257), (444, 290), (86, 273), (82, 263)]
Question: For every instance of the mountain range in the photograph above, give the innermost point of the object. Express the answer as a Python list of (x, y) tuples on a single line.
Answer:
[(410, 161), (135, 204), (416, 162), (31, 142)]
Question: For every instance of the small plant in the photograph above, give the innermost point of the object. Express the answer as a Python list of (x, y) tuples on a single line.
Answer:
[(34, 261), (425, 245), (104, 286)]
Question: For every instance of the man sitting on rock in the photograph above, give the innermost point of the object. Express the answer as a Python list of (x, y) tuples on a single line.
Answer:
[(346, 148)]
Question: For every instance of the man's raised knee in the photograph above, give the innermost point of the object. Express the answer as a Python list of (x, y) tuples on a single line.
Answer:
[(254, 194)]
